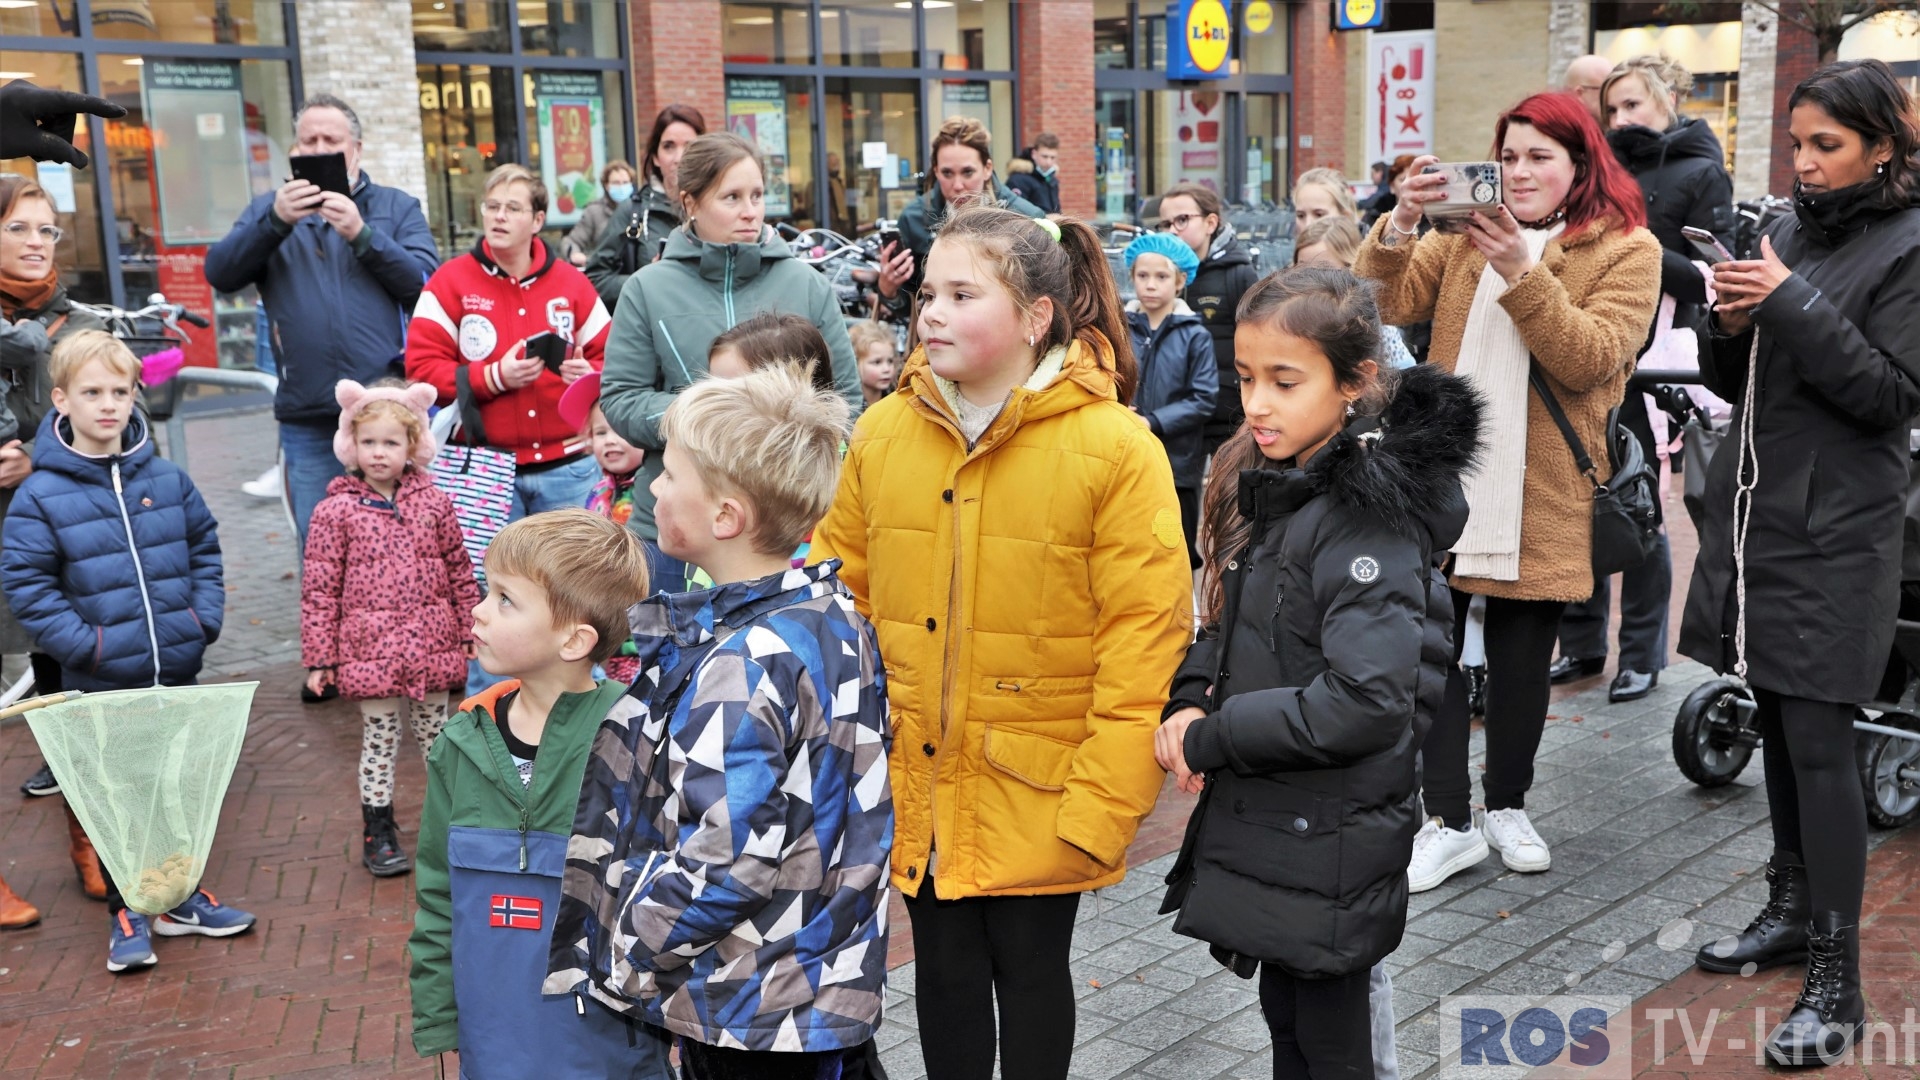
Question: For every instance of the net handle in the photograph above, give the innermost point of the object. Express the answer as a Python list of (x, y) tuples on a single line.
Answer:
[(22, 707)]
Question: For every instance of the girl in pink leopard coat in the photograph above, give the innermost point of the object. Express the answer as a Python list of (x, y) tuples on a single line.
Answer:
[(387, 594)]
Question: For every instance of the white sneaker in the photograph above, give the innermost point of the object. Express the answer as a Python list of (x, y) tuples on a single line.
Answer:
[(266, 486), (1440, 852), (1511, 834)]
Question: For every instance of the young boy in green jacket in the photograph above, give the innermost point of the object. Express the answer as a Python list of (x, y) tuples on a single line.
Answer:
[(503, 783)]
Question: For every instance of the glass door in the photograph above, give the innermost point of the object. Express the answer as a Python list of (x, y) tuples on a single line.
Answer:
[(863, 187)]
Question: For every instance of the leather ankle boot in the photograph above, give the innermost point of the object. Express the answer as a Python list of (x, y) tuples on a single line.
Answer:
[(1778, 935), (15, 912), (86, 862), (380, 850), (1826, 1021)]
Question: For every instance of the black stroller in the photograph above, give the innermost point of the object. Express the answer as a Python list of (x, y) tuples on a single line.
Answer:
[(1716, 731)]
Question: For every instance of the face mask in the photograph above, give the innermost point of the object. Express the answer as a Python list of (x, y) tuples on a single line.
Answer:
[(1047, 174), (619, 192)]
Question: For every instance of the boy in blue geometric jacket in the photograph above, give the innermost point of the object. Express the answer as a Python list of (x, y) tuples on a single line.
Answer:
[(727, 877), (113, 565)]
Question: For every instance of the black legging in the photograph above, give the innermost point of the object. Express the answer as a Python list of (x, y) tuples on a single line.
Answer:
[(968, 954), (1322, 1029), (1813, 792), (1519, 636)]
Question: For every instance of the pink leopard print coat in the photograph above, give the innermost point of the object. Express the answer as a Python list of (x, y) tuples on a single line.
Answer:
[(388, 593)]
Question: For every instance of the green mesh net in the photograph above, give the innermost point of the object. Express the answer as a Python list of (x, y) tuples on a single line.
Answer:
[(145, 771)]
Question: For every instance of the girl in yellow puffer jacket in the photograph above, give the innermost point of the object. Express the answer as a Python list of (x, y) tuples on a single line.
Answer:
[(1010, 527)]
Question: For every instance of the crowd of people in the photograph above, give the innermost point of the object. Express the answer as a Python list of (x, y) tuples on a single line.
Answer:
[(728, 666)]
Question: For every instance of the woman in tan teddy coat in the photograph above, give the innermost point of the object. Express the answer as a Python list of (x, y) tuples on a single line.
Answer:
[(1564, 274)]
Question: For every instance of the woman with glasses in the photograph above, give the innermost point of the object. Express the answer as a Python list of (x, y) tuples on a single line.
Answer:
[(1196, 216), (36, 315)]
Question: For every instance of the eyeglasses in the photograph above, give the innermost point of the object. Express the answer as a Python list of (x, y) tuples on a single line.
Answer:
[(50, 233), (516, 209), (1178, 224)]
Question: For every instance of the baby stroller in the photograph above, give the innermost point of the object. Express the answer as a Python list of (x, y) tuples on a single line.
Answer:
[(1716, 730)]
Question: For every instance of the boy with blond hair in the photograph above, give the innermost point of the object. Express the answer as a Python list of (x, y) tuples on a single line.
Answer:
[(727, 878), (503, 781), (112, 563)]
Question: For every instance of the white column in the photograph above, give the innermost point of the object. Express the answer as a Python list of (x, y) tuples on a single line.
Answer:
[(1569, 23), (1753, 132), (361, 51)]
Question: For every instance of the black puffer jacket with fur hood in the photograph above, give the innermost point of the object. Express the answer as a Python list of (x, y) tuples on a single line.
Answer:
[(1326, 671)]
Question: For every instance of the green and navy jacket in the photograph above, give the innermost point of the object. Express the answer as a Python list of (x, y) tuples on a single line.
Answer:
[(487, 879), (727, 876)]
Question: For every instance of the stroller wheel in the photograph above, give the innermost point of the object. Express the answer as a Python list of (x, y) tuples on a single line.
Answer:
[(1710, 741), (1890, 772)]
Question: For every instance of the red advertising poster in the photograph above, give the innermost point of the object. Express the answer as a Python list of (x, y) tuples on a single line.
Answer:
[(181, 274), (572, 137)]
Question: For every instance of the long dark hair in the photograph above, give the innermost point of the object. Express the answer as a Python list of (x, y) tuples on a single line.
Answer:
[(1866, 98), (1602, 187), (1072, 272), (1334, 310), (669, 116), (770, 339)]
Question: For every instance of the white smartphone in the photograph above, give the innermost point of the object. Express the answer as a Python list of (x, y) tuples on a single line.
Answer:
[(1471, 186), (1709, 247)]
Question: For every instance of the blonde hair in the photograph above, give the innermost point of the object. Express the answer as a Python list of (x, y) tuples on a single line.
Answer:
[(1336, 186), (1666, 81), (866, 333), (513, 173), (591, 569), (787, 471), (1340, 236), (388, 409), (77, 350)]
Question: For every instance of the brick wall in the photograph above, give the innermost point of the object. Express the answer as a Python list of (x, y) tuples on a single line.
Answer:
[(1795, 57), (380, 83), (1056, 90), (676, 59), (1753, 132), (1319, 89)]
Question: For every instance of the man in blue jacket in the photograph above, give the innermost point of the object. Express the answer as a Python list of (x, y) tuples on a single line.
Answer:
[(338, 275)]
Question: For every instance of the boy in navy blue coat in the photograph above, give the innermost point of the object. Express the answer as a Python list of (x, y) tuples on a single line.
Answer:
[(112, 563)]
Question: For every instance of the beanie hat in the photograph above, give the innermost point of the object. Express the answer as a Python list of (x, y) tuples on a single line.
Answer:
[(1174, 248), (353, 398)]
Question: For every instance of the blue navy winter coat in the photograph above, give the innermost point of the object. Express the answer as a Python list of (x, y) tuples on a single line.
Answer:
[(113, 563), (1179, 384), (339, 310)]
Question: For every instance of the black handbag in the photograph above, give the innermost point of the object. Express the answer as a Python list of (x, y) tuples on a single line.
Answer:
[(1625, 527)]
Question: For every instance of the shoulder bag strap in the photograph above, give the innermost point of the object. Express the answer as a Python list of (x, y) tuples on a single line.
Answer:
[(470, 429), (1580, 458)]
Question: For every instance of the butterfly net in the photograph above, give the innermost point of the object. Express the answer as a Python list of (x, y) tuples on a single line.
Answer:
[(145, 772)]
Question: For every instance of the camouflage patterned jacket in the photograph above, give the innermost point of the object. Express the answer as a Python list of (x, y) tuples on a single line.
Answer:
[(727, 875)]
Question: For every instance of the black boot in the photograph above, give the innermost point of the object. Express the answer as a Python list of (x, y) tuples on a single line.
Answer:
[(1476, 689), (1778, 935), (1826, 1021), (381, 852)]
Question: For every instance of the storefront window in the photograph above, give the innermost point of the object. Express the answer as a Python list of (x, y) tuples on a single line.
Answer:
[(971, 35), (38, 18), (765, 34), (570, 28), (464, 133), (79, 258), (203, 22), (1266, 127), (861, 112), (575, 125), (1261, 45), (1112, 34), (775, 115), (1118, 177), (460, 26), (868, 33), (991, 103), (1189, 139)]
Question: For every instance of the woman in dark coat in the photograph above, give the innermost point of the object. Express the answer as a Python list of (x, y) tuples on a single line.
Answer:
[(1197, 217), (1822, 442)]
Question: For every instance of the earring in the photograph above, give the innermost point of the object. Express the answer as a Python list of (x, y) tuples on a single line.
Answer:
[(1880, 169), (1349, 410), (1032, 340)]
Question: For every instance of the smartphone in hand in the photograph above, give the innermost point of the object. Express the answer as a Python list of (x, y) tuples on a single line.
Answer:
[(1471, 186), (328, 172), (550, 347), (1707, 245)]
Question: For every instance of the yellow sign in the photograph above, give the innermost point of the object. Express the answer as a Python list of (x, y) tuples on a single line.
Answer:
[(1360, 12), (1259, 17), (1207, 35)]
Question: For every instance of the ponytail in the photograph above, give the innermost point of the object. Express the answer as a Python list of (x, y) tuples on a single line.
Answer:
[(1224, 531), (1094, 302)]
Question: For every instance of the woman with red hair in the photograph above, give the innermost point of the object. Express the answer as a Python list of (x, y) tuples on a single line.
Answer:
[(1564, 276)]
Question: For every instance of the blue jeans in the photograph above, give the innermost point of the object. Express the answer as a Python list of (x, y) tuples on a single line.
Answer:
[(557, 488), (310, 467)]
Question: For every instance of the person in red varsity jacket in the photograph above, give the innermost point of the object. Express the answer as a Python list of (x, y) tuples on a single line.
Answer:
[(479, 311)]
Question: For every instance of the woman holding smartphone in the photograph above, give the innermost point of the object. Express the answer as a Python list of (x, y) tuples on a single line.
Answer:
[(1822, 410), (1565, 275)]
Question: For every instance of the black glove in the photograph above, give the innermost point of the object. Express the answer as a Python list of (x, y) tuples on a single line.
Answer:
[(38, 122)]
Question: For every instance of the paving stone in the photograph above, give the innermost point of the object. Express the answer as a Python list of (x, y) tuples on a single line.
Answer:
[(1088, 1026), (1482, 954), (1564, 908), (1125, 999), (1414, 1062), (1129, 954), (1526, 884), (1159, 1029), (1484, 903), (1104, 1059), (1655, 962), (1525, 979), (1408, 1003), (1604, 886), (1414, 947), (1689, 888), (1222, 995), (1257, 1067), (1525, 929), (1195, 960), (1638, 918), (1449, 926), (1196, 1060), (1244, 1030), (904, 1061), (1436, 978)]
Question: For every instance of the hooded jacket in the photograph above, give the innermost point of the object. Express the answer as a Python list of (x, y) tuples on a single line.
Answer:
[(387, 590), (1225, 275), (1024, 180), (1682, 172), (1023, 732), (487, 882), (1839, 386), (650, 215), (112, 563), (668, 316), (727, 874), (922, 219), (1178, 384), (1320, 682), (339, 310)]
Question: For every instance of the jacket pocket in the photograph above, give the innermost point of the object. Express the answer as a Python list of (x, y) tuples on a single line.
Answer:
[(1035, 760)]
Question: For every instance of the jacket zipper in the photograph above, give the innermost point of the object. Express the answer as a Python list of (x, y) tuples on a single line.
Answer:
[(729, 291), (139, 572)]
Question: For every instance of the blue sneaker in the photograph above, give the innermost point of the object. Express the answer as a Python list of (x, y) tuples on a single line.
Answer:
[(204, 915), (131, 946)]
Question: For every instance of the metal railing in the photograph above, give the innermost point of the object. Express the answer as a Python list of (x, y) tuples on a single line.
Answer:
[(226, 378)]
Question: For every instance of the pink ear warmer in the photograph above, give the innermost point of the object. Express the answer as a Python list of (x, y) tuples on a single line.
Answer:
[(353, 397)]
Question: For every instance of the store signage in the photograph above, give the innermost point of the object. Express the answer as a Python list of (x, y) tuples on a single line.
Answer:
[(571, 109), (1202, 40), (1259, 17), (1359, 14), (757, 112), (200, 159), (1399, 107)]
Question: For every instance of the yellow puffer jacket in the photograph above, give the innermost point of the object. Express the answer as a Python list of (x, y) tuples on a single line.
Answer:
[(1033, 599)]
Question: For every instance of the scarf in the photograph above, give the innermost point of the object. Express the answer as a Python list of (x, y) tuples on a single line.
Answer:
[(21, 295), (974, 420), (612, 497), (1494, 360)]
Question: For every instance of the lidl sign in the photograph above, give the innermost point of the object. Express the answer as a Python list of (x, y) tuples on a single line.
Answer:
[(1200, 38), (1359, 14)]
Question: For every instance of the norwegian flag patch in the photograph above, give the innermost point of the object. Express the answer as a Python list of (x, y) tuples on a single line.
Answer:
[(515, 913)]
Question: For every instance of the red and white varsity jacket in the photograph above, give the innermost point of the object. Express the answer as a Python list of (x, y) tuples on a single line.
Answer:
[(471, 312)]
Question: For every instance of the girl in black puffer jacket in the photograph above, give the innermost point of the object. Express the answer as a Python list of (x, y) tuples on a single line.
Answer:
[(1329, 627)]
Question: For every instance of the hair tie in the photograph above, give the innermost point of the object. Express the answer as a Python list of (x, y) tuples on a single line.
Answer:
[(1049, 226)]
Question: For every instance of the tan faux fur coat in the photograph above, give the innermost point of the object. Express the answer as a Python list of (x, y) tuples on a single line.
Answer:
[(1584, 311)]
